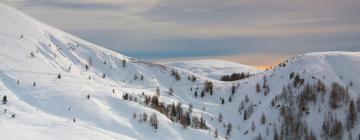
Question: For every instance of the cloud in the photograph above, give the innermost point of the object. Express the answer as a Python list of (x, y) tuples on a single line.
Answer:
[(152, 29)]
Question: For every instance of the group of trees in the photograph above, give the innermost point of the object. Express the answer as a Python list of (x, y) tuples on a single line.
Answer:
[(176, 74), (265, 87), (297, 80), (209, 87), (235, 76), (175, 113), (192, 78), (338, 95)]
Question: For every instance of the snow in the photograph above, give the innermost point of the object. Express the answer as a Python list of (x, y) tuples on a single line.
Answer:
[(31, 51), (213, 68)]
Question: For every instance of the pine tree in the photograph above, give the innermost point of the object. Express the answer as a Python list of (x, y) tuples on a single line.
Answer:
[(228, 129), (258, 87), (154, 121), (253, 126), (190, 108), (145, 117), (158, 91), (124, 63), (352, 115), (216, 133), (233, 88), (4, 100), (245, 115), (263, 119), (220, 118)]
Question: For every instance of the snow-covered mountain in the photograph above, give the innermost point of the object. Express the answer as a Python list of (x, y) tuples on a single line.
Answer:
[(212, 68), (56, 86)]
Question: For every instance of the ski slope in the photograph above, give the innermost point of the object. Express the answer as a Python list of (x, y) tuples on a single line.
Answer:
[(88, 103)]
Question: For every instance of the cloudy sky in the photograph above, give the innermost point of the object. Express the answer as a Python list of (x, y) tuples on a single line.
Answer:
[(255, 32)]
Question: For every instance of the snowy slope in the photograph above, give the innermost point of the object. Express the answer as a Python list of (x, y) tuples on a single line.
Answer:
[(34, 53), (213, 68)]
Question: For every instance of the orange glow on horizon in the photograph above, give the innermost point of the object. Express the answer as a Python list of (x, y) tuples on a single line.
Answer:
[(263, 67)]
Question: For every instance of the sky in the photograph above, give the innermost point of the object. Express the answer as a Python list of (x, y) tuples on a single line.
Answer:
[(253, 32)]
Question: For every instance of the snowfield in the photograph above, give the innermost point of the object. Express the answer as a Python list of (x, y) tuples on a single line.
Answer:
[(213, 68), (58, 86)]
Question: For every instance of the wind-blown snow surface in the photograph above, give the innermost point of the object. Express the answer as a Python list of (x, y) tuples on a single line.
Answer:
[(33, 52), (213, 68)]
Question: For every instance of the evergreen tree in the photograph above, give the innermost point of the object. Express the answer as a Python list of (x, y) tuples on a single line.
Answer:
[(158, 91), (263, 119), (124, 63), (257, 87), (220, 118), (4, 100), (216, 133), (245, 115), (352, 115), (228, 129), (202, 94)]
